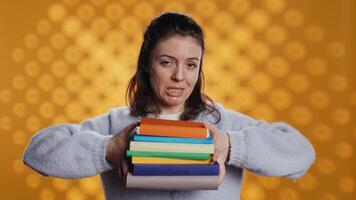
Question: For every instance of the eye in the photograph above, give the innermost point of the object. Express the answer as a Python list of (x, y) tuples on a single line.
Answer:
[(165, 63), (192, 65)]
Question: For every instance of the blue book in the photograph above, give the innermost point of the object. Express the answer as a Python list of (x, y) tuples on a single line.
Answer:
[(208, 140), (175, 170)]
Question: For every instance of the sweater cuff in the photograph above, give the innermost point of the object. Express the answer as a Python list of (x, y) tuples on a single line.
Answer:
[(100, 161), (237, 148)]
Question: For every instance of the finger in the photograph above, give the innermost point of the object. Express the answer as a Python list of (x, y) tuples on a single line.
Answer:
[(221, 173), (211, 128), (125, 169)]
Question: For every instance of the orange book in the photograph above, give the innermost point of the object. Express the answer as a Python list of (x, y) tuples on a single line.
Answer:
[(172, 128)]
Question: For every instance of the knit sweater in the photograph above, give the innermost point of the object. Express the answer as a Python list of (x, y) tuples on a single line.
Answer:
[(78, 150)]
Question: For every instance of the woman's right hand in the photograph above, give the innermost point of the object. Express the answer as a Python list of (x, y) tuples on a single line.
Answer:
[(116, 151)]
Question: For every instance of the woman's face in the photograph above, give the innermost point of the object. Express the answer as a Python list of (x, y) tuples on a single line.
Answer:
[(174, 70)]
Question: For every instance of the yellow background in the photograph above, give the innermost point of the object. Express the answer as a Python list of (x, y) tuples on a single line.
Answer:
[(278, 60)]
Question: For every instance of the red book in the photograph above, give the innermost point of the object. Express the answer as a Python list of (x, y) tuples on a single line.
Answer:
[(173, 128)]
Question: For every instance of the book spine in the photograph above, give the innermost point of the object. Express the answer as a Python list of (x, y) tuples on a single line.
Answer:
[(175, 170), (172, 139), (192, 156), (155, 160), (171, 147), (173, 131)]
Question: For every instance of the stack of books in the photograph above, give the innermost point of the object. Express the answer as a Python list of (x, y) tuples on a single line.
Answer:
[(172, 155)]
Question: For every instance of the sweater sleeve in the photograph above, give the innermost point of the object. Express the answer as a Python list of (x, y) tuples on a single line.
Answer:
[(70, 150), (268, 149)]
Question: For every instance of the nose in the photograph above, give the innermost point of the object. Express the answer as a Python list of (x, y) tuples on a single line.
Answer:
[(178, 74)]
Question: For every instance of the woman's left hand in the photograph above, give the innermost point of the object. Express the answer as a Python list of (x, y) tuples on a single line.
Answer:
[(221, 148)]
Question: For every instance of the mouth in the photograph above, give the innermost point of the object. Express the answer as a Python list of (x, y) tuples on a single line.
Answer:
[(175, 91)]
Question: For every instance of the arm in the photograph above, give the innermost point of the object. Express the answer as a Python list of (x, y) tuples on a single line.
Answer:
[(269, 149), (71, 150)]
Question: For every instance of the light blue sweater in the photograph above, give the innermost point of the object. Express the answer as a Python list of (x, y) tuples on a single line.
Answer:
[(78, 150)]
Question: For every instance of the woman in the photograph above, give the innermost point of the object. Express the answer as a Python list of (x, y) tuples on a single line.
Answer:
[(168, 84)]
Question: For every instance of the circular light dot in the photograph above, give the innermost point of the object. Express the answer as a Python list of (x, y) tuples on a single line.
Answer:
[(71, 26), (347, 184), (47, 194), (85, 12), (277, 66), (71, 3), (144, 11), (87, 97), (73, 82), (298, 82), (275, 6), (59, 68), (33, 180), (57, 12), (72, 55), (325, 166), (280, 98), (98, 3), (60, 96), (19, 138), (316, 66), (243, 68), (44, 27), (114, 11), (5, 123), (33, 123), (300, 115), (322, 132), (253, 191), (31, 41), (46, 82), (33, 95), (131, 22), (18, 166), (338, 83), (61, 184), (288, 193), (58, 41), (100, 25), (239, 7), (319, 99), (336, 49), (5, 95), (314, 33), (259, 51), (46, 110), (32, 68), (116, 39), (260, 82), (18, 54), (245, 98), (263, 111), (295, 50), (75, 193), (86, 39), (74, 111), (344, 150), (308, 182), (59, 119), (223, 21), (241, 35), (19, 109), (269, 182), (353, 99), (293, 18), (205, 9), (19, 82), (90, 186), (341, 116), (257, 19), (45, 54), (175, 6), (276, 34), (328, 196)]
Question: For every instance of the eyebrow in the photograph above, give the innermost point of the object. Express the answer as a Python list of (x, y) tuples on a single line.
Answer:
[(192, 58)]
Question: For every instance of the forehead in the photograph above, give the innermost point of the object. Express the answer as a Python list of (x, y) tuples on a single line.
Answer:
[(178, 46)]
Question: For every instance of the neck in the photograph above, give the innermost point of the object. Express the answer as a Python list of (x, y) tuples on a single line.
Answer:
[(165, 110)]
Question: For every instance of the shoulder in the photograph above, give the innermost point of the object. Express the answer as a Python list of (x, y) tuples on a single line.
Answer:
[(230, 118)]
